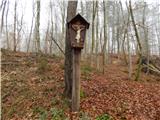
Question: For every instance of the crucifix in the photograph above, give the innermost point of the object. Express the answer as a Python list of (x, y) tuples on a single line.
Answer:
[(78, 28), (77, 31)]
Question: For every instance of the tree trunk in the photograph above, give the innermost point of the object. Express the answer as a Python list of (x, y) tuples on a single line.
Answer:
[(97, 39), (2, 19), (105, 36), (129, 58), (128, 46), (71, 12), (30, 34), (113, 31), (138, 41), (47, 39), (37, 27), (7, 37), (14, 34), (93, 31), (125, 27), (93, 21), (117, 31)]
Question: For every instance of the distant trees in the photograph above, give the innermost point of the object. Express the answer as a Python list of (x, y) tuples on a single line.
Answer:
[(31, 29), (112, 31)]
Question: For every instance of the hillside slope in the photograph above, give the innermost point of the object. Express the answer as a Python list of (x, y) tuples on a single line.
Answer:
[(32, 88)]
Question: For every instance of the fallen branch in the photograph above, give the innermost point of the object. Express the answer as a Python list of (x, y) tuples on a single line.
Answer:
[(9, 63), (58, 45), (153, 68)]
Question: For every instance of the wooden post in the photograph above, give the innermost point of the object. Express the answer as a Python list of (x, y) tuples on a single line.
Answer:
[(77, 29), (76, 80)]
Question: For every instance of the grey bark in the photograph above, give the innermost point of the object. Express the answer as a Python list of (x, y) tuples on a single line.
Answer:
[(37, 25), (138, 41), (7, 37), (30, 34), (14, 34), (2, 18), (105, 36)]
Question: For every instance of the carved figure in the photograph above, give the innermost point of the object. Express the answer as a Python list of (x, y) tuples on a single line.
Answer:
[(78, 28)]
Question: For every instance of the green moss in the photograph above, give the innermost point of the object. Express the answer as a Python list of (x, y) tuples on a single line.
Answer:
[(82, 94), (57, 114), (42, 65), (41, 111), (86, 70), (84, 116), (104, 117)]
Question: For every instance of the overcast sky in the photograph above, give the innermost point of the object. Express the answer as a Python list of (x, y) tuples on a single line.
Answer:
[(25, 7)]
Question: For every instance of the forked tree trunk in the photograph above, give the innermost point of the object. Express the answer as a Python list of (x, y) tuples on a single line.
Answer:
[(30, 34)]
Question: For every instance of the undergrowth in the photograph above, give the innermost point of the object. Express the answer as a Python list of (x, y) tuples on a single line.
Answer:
[(104, 117)]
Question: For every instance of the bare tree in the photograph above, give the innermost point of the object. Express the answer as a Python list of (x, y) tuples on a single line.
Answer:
[(97, 37), (138, 41), (51, 31), (7, 37), (47, 39), (53, 39), (128, 44), (95, 3), (113, 30), (15, 27), (2, 18), (118, 29), (19, 30), (62, 5), (71, 11), (37, 24), (31, 29), (105, 36)]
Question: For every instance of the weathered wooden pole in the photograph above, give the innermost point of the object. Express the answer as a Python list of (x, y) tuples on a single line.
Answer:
[(77, 30), (76, 80)]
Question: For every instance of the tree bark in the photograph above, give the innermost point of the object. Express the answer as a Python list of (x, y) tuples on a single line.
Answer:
[(105, 36), (30, 34), (97, 39), (7, 37), (93, 21), (71, 12), (138, 41), (117, 30), (14, 34), (2, 21), (37, 35)]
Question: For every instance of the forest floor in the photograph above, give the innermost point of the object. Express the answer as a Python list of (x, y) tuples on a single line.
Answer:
[(32, 88)]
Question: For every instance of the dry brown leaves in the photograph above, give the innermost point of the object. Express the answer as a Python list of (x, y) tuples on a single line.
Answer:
[(23, 89)]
